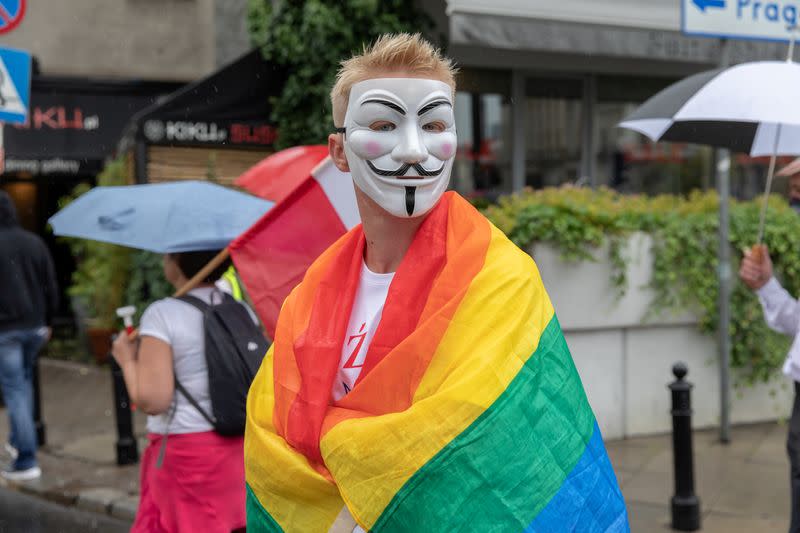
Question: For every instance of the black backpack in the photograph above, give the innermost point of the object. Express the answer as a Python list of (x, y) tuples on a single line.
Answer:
[(234, 347)]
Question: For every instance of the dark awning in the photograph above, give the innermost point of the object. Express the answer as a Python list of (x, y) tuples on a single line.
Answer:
[(229, 108), (74, 124)]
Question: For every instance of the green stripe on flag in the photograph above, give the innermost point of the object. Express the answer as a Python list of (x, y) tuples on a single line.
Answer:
[(524, 445), (258, 519)]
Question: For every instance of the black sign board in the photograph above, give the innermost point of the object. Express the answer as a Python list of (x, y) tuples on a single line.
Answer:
[(230, 107), (74, 125)]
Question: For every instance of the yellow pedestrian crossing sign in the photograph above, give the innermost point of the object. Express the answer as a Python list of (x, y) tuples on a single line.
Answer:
[(15, 85)]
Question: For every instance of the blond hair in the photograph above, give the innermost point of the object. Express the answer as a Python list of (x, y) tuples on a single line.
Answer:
[(390, 52)]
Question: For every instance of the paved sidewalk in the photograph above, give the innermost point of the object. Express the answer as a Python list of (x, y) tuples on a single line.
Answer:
[(79, 459), (743, 487)]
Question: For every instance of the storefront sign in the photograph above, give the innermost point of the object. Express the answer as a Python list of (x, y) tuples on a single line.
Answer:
[(69, 132), (740, 19), (176, 132)]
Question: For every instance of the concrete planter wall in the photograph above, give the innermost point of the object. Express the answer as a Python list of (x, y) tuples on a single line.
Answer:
[(625, 353)]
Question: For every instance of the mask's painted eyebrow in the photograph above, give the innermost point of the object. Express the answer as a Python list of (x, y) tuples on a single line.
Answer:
[(432, 105), (387, 103)]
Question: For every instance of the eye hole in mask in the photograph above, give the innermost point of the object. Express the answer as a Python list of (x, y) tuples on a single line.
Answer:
[(382, 126)]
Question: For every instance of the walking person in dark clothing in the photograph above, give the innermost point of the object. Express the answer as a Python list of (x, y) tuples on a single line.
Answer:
[(28, 299)]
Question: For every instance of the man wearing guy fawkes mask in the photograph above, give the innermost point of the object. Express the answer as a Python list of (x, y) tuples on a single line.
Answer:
[(419, 380)]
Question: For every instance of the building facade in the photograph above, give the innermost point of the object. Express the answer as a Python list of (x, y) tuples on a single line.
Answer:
[(97, 63), (545, 82)]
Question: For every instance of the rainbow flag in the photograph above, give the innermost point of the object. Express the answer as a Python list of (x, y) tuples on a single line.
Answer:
[(469, 414)]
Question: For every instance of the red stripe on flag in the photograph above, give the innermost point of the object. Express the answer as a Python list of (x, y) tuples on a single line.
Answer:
[(273, 255)]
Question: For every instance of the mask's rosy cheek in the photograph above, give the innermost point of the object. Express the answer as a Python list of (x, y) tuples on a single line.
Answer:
[(373, 149), (447, 150), (442, 145)]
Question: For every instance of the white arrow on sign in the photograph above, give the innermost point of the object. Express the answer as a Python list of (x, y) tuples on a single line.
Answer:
[(10, 102), (705, 4)]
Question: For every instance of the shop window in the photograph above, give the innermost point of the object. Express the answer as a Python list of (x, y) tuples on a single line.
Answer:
[(483, 161), (629, 162), (483, 120), (553, 116)]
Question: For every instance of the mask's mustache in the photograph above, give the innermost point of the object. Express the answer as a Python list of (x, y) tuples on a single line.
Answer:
[(403, 169)]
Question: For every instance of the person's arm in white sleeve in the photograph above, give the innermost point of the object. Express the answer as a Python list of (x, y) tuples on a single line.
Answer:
[(781, 311)]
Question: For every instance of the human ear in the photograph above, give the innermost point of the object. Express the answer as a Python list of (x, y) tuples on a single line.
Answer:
[(336, 151)]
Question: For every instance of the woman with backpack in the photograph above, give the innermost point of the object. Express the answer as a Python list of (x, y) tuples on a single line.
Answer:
[(192, 477)]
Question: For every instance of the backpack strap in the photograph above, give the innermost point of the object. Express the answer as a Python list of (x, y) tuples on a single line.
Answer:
[(180, 388), (195, 301), (202, 307)]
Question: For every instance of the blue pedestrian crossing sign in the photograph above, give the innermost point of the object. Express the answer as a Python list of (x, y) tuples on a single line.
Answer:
[(15, 85), (740, 19)]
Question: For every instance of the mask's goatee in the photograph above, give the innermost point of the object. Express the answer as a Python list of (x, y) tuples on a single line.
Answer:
[(410, 196)]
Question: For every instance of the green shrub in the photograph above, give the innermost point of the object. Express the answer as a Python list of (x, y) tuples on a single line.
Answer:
[(109, 276), (309, 38), (685, 263)]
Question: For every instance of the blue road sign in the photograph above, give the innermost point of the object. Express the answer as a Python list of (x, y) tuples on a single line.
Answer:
[(11, 14), (740, 19), (15, 85)]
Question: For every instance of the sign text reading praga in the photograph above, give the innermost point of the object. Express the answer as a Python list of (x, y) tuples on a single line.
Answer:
[(740, 19)]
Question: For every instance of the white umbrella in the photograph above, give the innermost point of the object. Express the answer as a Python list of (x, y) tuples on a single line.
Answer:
[(752, 108)]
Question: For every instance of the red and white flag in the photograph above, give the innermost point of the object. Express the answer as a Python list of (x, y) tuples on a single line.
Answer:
[(315, 205)]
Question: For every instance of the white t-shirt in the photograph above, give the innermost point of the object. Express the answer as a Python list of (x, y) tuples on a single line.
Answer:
[(364, 319), (180, 325)]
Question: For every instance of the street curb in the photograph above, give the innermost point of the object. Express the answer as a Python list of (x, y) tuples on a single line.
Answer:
[(100, 500), (125, 508), (61, 497)]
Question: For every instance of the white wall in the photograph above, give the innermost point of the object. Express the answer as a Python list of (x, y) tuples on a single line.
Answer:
[(149, 39), (625, 355)]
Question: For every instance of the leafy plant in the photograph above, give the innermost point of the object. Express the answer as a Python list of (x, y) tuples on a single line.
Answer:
[(147, 282), (110, 276), (98, 282), (309, 38), (685, 235)]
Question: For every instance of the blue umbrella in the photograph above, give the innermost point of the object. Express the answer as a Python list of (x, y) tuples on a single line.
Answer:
[(164, 218)]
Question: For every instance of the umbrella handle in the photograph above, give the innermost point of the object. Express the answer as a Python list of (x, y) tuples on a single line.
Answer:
[(762, 219), (204, 272)]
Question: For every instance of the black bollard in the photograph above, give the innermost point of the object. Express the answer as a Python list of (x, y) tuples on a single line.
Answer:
[(37, 406), (685, 504), (127, 448)]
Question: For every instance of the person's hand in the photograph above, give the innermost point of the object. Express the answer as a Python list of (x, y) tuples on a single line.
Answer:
[(48, 334), (124, 349), (756, 271)]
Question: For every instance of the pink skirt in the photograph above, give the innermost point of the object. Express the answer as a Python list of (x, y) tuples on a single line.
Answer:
[(199, 487)]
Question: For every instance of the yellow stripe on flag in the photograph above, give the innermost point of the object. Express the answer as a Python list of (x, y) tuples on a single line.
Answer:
[(306, 500), (508, 298)]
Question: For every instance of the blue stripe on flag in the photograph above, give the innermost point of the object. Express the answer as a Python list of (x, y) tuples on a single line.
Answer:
[(589, 500)]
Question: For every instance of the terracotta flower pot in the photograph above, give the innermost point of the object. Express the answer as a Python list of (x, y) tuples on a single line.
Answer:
[(100, 343)]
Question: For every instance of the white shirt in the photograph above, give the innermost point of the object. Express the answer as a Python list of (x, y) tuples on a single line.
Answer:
[(364, 319), (180, 325), (782, 314)]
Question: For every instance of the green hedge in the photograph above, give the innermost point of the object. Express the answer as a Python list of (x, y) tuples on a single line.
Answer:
[(685, 234)]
